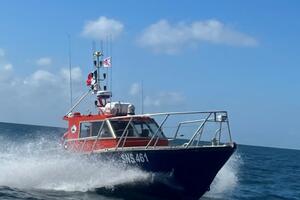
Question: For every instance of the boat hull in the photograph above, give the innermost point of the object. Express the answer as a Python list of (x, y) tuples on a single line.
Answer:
[(180, 173)]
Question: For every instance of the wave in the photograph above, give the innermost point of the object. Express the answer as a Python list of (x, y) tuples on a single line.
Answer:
[(43, 164), (227, 178)]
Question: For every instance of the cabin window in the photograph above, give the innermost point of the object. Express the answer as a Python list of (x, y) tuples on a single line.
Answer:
[(146, 128), (85, 129), (137, 128), (154, 127), (119, 127), (91, 129)]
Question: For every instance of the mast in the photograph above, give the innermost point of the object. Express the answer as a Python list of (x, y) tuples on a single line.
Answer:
[(97, 63), (94, 81), (103, 95)]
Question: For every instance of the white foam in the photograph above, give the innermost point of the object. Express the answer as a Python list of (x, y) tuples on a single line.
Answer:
[(32, 166), (227, 178)]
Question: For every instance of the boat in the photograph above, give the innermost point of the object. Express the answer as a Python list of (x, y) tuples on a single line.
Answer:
[(183, 167)]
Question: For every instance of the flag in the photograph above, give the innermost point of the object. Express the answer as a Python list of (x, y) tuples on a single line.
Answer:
[(89, 79), (107, 62), (92, 79)]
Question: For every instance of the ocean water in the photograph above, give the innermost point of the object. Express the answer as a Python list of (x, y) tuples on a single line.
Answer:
[(34, 166)]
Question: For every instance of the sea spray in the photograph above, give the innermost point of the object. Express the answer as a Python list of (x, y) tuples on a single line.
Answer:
[(43, 164), (227, 178)]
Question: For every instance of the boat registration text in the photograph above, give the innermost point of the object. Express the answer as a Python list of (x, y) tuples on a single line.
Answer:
[(133, 158)]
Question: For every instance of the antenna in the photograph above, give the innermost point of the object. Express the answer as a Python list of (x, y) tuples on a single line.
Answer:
[(142, 84), (111, 57), (70, 70), (93, 46), (106, 50), (101, 46)]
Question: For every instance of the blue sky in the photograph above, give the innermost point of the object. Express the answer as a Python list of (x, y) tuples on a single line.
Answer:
[(190, 55)]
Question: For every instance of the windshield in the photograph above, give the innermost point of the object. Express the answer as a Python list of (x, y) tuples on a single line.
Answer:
[(137, 128)]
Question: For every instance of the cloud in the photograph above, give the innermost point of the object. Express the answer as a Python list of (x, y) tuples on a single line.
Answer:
[(163, 37), (135, 89), (44, 61), (75, 72), (164, 99), (2, 52), (101, 28), (29, 97), (39, 92), (8, 67), (40, 77), (4, 65), (6, 73)]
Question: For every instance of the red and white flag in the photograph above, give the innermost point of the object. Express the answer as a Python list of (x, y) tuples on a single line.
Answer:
[(89, 79), (107, 62), (92, 79)]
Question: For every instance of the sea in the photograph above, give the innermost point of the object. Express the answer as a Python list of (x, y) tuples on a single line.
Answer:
[(34, 166)]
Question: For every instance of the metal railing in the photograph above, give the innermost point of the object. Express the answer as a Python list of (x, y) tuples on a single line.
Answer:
[(218, 118)]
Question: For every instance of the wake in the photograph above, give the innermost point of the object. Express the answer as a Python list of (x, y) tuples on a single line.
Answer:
[(43, 164)]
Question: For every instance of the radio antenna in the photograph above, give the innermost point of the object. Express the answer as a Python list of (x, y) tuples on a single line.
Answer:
[(111, 56), (142, 93), (93, 47), (70, 70), (107, 53)]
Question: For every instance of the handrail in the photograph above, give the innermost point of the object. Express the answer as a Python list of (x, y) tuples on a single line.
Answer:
[(229, 131), (98, 135), (81, 139), (120, 139), (159, 128), (197, 131), (206, 117), (78, 102), (185, 122), (168, 113)]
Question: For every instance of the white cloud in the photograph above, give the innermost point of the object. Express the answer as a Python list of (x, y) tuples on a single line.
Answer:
[(6, 73), (2, 52), (164, 99), (135, 89), (101, 28), (76, 74), (44, 61), (39, 92), (4, 65), (8, 67), (167, 38), (40, 77)]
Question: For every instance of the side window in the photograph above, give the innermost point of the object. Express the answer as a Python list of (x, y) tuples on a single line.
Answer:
[(88, 129), (105, 132), (142, 129), (137, 128), (85, 129), (96, 127), (119, 127), (154, 129)]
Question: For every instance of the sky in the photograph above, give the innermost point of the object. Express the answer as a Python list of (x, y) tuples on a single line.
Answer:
[(239, 56)]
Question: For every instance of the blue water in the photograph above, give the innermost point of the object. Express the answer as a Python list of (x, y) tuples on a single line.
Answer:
[(33, 166)]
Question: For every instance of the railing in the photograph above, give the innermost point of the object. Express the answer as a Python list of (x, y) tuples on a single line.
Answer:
[(200, 121)]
